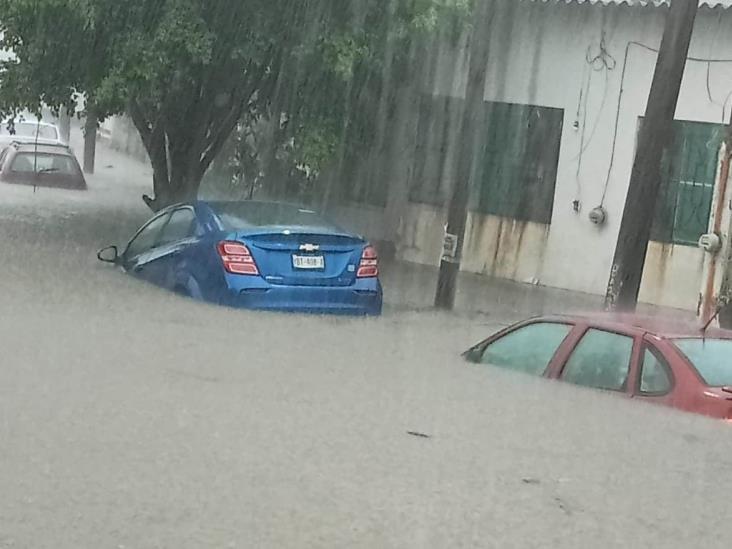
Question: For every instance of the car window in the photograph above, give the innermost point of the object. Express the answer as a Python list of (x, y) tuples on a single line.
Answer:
[(247, 214), (528, 349), (601, 360), (147, 238), (655, 377), (181, 226), (711, 358), (50, 163)]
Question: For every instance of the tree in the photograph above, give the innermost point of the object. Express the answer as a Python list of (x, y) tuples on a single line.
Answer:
[(339, 101), (185, 70), (190, 71), (59, 49)]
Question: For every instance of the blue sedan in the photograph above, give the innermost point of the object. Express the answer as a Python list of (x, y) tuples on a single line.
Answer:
[(257, 255)]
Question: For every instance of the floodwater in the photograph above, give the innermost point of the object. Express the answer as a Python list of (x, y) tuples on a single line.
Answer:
[(132, 418)]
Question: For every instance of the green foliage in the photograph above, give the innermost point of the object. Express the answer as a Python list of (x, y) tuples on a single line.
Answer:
[(190, 71)]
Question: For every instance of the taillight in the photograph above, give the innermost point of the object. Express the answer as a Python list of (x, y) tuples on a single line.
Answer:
[(237, 258), (369, 265)]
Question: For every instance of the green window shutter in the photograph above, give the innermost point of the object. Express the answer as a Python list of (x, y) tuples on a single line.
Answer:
[(687, 183), (518, 173), (517, 170)]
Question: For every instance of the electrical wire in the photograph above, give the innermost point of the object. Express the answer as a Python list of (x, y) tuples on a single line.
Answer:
[(596, 125), (602, 62), (724, 106), (709, 66), (581, 108), (586, 86), (581, 94), (709, 87), (620, 99)]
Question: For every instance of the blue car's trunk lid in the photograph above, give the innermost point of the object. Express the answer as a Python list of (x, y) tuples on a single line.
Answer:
[(305, 257)]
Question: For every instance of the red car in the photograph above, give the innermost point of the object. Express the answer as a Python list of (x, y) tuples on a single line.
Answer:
[(41, 165), (652, 359)]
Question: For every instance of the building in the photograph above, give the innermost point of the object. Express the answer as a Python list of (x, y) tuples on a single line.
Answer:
[(568, 82), (567, 86)]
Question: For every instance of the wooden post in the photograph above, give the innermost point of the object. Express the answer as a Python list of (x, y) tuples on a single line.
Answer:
[(645, 179), (470, 128)]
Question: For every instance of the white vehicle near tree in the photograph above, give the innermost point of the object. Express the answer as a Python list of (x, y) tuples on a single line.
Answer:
[(29, 131)]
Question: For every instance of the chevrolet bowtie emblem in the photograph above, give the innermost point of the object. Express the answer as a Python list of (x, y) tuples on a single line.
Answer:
[(309, 247)]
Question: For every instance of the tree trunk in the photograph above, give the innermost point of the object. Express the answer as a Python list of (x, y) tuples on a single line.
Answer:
[(274, 180), (64, 123), (176, 178), (90, 140), (181, 149), (177, 172)]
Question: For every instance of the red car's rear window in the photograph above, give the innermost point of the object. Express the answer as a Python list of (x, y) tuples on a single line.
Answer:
[(44, 162)]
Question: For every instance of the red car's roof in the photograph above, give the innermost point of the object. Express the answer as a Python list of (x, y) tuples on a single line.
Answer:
[(661, 326), (44, 148)]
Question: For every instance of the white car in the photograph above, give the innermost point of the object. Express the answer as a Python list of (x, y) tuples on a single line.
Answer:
[(30, 131)]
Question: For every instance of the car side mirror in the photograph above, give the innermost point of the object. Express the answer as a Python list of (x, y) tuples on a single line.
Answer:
[(110, 254), (474, 354)]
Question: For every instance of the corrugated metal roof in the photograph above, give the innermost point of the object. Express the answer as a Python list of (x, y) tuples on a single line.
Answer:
[(641, 3)]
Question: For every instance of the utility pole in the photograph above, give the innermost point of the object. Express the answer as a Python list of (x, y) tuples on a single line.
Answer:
[(654, 137), (473, 117)]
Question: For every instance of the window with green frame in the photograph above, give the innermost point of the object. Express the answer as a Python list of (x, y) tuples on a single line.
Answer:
[(687, 183), (517, 172)]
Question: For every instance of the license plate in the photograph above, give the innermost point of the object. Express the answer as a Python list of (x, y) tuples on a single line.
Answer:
[(308, 261)]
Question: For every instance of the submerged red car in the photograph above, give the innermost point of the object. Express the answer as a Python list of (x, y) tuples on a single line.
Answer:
[(647, 358), (41, 165)]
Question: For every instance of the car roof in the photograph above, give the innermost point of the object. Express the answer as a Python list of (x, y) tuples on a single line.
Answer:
[(261, 202), (42, 147), (661, 326), (34, 122), (325, 227), (29, 139)]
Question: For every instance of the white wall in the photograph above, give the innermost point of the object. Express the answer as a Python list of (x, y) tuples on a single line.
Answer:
[(539, 57)]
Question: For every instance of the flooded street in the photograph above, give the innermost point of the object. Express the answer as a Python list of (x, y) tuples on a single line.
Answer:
[(133, 418)]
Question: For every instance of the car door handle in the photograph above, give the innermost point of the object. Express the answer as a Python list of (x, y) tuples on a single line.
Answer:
[(138, 268)]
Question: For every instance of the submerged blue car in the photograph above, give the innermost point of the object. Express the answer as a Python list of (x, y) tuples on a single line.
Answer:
[(257, 255)]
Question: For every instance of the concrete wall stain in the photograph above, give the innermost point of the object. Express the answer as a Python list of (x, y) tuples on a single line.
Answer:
[(497, 247), (521, 227), (664, 257)]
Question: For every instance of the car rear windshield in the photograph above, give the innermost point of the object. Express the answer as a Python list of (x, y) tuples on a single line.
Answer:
[(44, 163), (25, 129), (242, 215), (711, 357)]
